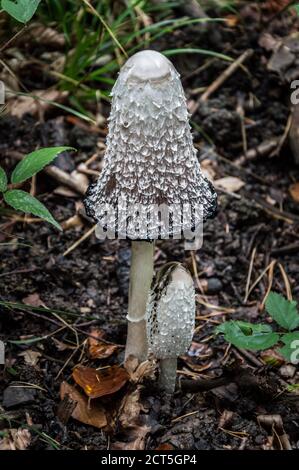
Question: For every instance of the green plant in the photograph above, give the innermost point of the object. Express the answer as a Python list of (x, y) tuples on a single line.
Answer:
[(21, 10), (30, 165), (100, 39), (261, 336)]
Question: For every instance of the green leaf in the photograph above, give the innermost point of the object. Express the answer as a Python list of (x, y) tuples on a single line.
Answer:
[(3, 180), (34, 162), (247, 335), (290, 350), (283, 311), (22, 201), (21, 10)]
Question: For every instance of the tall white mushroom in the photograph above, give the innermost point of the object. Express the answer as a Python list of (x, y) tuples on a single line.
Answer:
[(170, 319), (150, 161)]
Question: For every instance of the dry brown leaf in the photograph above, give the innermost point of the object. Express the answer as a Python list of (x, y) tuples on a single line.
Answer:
[(31, 357), (232, 20), (225, 418), (16, 439), (294, 191), (130, 409), (268, 42), (272, 357), (137, 436), (47, 36), (231, 184), (92, 414), (208, 167), (26, 104), (138, 372), (165, 446), (97, 348), (33, 300), (98, 383), (62, 346)]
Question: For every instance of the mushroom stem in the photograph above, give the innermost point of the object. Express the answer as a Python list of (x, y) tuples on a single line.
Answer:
[(167, 379), (141, 275)]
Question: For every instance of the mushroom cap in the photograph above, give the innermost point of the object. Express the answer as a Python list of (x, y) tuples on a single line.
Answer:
[(170, 313), (151, 185), (148, 65)]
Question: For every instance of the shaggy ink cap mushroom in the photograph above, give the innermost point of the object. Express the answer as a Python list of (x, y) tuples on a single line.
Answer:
[(150, 160), (170, 319)]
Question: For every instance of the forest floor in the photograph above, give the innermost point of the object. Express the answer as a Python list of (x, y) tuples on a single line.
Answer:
[(53, 304)]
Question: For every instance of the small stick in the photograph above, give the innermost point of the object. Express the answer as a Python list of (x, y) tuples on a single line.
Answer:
[(286, 281), (228, 72), (286, 250), (249, 275), (262, 150), (270, 279), (256, 282), (77, 243)]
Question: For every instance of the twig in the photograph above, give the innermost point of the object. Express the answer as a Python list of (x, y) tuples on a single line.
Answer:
[(20, 271), (286, 282), (284, 135), (262, 150), (286, 250), (77, 243), (270, 283), (8, 43), (195, 271), (228, 72), (242, 170), (260, 277), (249, 275)]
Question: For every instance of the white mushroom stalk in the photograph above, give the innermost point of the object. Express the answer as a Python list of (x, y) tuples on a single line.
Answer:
[(170, 320), (151, 176)]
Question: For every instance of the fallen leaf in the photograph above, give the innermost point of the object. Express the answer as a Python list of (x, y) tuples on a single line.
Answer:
[(130, 409), (196, 355), (97, 348), (88, 413), (225, 418), (274, 423), (272, 357), (232, 20), (268, 42), (208, 167), (46, 36), (98, 383), (199, 350), (31, 357), (136, 436), (62, 346), (231, 184), (165, 446), (33, 300), (138, 372), (294, 191), (26, 104), (16, 439)]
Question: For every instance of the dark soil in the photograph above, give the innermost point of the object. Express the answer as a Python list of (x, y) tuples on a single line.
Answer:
[(92, 281)]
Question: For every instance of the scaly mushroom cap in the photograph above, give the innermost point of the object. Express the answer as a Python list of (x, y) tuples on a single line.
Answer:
[(150, 158), (170, 314)]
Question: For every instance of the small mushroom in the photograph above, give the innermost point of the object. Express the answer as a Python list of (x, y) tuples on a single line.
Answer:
[(170, 320), (151, 186)]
